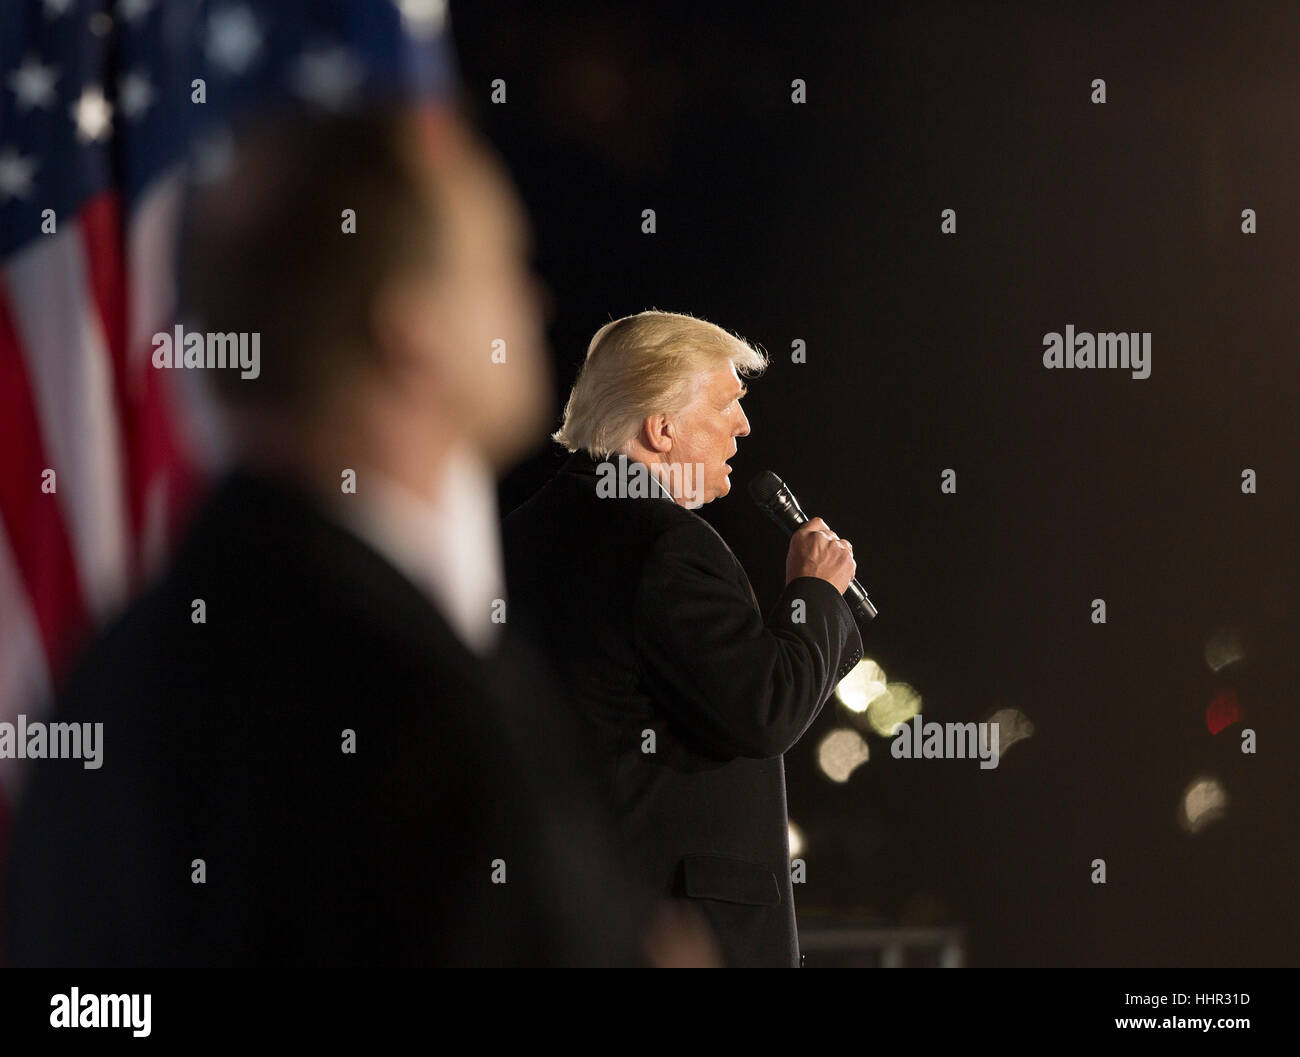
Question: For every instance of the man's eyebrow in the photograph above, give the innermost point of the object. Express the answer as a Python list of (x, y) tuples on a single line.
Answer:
[(740, 395)]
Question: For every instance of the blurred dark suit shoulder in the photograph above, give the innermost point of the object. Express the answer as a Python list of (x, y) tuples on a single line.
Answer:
[(223, 741)]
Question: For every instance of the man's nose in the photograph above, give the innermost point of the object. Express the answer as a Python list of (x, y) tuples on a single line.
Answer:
[(743, 431)]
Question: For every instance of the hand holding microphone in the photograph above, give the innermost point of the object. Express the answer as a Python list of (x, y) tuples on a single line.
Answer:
[(816, 551), (819, 547)]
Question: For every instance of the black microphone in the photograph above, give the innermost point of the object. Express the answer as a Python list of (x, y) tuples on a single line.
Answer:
[(775, 499)]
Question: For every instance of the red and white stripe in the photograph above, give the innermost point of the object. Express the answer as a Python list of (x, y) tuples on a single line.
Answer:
[(79, 396)]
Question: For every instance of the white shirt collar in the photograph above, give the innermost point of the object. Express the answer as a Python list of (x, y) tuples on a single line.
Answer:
[(450, 548), (660, 489)]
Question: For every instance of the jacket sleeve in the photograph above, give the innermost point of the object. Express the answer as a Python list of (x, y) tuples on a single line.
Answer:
[(738, 684)]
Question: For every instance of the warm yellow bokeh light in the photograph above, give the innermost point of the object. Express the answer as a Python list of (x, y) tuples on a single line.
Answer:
[(796, 840), (862, 685), (896, 706), (1013, 726)]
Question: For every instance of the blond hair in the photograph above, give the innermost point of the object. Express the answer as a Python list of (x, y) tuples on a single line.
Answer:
[(644, 365)]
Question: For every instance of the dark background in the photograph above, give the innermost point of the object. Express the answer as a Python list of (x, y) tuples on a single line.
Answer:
[(821, 222)]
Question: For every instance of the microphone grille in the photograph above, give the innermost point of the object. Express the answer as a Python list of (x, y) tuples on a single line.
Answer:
[(763, 487)]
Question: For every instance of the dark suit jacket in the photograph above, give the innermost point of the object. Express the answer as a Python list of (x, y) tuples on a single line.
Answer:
[(653, 627), (223, 742)]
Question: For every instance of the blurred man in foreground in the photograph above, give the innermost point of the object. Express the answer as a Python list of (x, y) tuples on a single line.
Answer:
[(315, 750), (689, 695)]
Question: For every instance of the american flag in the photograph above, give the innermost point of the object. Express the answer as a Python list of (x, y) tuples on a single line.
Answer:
[(106, 109)]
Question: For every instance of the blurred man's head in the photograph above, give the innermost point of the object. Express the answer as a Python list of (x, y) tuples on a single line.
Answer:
[(418, 317), (665, 389)]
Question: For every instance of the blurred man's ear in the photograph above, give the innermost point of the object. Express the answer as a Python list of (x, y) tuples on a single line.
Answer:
[(406, 339)]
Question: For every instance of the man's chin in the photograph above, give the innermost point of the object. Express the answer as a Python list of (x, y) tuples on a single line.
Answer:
[(707, 495)]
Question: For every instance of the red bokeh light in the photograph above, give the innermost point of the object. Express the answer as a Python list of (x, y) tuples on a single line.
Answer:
[(1224, 711)]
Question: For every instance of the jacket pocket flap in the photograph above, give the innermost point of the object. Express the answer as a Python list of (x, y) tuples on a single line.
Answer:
[(731, 880)]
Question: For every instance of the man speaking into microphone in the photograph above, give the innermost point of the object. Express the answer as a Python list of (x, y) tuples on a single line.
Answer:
[(688, 695)]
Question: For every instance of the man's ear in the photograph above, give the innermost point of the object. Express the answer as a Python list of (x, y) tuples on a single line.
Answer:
[(401, 334), (657, 434)]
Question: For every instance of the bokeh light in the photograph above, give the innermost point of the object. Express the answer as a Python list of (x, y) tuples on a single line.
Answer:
[(1204, 801), (896, 706), (796, 840), (1224, 647), (841, 753), (862, 685), (1013, 726), (1223, 711)]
